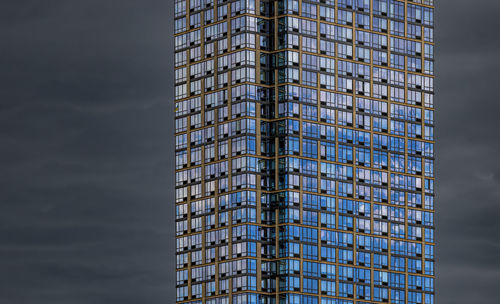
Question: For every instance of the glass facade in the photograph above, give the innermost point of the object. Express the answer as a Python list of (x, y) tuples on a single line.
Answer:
[(304, 151)]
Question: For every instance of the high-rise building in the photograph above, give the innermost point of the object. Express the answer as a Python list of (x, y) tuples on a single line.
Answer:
[(304, 151)]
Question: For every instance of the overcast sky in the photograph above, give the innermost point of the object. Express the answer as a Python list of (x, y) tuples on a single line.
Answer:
[(86, 160)]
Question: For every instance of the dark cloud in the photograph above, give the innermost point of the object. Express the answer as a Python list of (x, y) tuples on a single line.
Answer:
[(468, 207), (88, 54), (86, 133)]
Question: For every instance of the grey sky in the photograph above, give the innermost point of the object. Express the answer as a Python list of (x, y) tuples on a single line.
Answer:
[(86, 198), (468, 136)]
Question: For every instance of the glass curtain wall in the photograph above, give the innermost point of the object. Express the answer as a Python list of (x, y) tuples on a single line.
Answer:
[(304, 151)]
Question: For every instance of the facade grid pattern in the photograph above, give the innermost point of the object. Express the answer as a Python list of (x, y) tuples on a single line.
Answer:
[(304, 151)]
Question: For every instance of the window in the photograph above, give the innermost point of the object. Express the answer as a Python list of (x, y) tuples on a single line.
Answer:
[(345, 154), (309, 10), (310, 148), (310, 285), (345, 17), (309, 44)]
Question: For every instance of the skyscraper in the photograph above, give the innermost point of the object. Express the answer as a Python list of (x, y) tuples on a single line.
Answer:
[(304, 151)]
